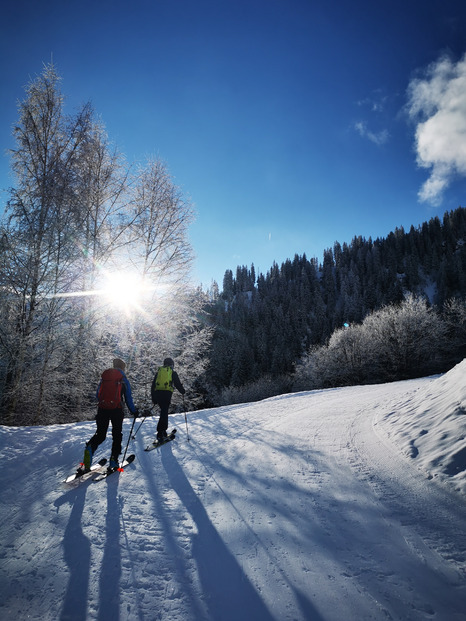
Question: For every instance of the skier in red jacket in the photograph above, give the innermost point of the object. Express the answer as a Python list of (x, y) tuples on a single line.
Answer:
[(113, 388)]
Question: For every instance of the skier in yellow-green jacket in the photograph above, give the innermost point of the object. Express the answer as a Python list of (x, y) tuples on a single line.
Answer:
[(165, 381)]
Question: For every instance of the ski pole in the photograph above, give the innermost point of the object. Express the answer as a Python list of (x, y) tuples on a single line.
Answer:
[(133, 437), (129, 438), (185, 418), (146, 412)]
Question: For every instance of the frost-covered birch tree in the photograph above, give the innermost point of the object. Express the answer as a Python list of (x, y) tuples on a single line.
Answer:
[(94, 263), (39, 221)]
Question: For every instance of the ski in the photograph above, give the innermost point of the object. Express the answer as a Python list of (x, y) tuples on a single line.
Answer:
[(106, 473), (83, 475), (171, 436)]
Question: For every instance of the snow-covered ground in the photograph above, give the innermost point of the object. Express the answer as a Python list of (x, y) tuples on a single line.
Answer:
[(337, 505)]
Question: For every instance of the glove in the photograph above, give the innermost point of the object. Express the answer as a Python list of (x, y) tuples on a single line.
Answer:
[(136, 413)]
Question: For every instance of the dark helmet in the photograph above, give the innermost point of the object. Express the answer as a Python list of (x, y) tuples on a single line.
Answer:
[(168, 362)]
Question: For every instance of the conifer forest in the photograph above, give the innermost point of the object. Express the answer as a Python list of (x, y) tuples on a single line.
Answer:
[(371, 311)]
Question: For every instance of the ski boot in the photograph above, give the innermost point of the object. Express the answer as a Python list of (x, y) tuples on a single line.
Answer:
[(87, 459)]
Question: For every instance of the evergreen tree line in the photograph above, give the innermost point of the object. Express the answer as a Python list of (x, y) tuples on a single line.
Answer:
[(77, 216), (293, 327)]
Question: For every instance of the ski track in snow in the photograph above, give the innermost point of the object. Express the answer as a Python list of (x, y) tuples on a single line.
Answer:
[(301, 507)]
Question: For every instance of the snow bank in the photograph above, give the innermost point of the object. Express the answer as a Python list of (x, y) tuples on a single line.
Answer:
[(430, 427)]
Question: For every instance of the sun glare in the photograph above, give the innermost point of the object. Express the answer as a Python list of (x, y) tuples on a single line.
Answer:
[(125, 292), (123, 289)]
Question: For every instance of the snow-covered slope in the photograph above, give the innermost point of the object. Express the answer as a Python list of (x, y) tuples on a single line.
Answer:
[(340, 504), (431, 427)]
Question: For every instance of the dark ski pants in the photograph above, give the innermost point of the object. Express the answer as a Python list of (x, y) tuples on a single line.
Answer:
[(103, 419), (163, 399)]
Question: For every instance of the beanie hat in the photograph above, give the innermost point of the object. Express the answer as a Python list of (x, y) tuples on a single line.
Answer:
[(118, 363), (168, 362)]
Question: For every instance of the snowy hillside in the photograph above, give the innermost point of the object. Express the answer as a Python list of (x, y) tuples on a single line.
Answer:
[(340, 504), (431, 427)]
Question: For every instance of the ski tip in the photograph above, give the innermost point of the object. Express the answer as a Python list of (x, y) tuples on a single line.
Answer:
[(130, 458)]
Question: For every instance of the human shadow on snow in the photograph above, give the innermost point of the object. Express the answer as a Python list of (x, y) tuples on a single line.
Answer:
[(169, 560), (77, 554), (110, 572), (229, 594), (260, 487)]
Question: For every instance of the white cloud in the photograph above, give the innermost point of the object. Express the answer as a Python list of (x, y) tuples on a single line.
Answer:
[(437, 104), (377, 138)]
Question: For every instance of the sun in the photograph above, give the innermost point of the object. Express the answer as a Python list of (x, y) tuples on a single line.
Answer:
[(124, 289)]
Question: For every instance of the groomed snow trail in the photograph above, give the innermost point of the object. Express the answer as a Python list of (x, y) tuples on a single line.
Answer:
[(298, 508)]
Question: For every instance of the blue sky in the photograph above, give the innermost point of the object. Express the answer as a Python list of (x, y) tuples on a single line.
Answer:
[(291, 124)]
